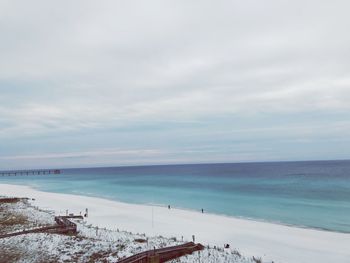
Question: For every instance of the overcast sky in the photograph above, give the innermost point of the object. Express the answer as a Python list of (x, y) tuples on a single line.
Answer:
[(104, 83)]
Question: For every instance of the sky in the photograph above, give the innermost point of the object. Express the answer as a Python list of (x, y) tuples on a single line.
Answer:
[(109, 83)]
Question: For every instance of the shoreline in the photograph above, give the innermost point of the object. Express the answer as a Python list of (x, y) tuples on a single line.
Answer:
[(259, 220), (273, 242)]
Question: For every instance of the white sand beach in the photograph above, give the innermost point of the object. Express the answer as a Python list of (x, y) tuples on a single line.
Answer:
[(272, 242)]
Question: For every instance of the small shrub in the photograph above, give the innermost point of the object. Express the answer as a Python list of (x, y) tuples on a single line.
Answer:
[(257, 260), (236, 252), (140, 240)]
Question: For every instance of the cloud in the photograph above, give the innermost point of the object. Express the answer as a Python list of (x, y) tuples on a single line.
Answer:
[(114, 152), (88, 67)]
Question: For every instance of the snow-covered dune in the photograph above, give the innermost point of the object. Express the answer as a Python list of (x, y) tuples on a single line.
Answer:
[(272, 242)]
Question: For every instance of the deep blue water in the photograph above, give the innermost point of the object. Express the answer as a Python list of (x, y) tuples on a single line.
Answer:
[(313, 194)]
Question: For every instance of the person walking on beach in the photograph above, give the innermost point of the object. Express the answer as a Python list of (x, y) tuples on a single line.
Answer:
[(202, 210)]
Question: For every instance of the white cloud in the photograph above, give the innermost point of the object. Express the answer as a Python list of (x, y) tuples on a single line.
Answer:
[(70, 66)]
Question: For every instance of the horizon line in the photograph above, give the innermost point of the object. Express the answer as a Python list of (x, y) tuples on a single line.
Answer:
[(178, 164)]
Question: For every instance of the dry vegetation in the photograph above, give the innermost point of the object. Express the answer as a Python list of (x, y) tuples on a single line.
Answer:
[(90, 245), (13, 217), (10, 218)]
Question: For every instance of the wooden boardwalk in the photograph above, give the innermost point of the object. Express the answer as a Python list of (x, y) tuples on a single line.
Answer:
[(64, 226), (30, 172), (163, 254)]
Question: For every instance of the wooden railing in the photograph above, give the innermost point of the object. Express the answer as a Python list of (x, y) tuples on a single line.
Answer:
[(63, 226), (163, 254)]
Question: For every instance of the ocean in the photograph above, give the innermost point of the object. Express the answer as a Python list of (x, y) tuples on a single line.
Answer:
[(311, 194)]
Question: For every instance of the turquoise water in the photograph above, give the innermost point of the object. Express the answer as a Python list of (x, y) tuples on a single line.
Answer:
[(306, 194)]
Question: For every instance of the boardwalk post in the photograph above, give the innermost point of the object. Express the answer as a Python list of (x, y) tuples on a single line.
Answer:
[(152, 217)]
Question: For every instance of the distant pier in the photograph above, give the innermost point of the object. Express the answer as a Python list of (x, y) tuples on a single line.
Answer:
[(30, 172)]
